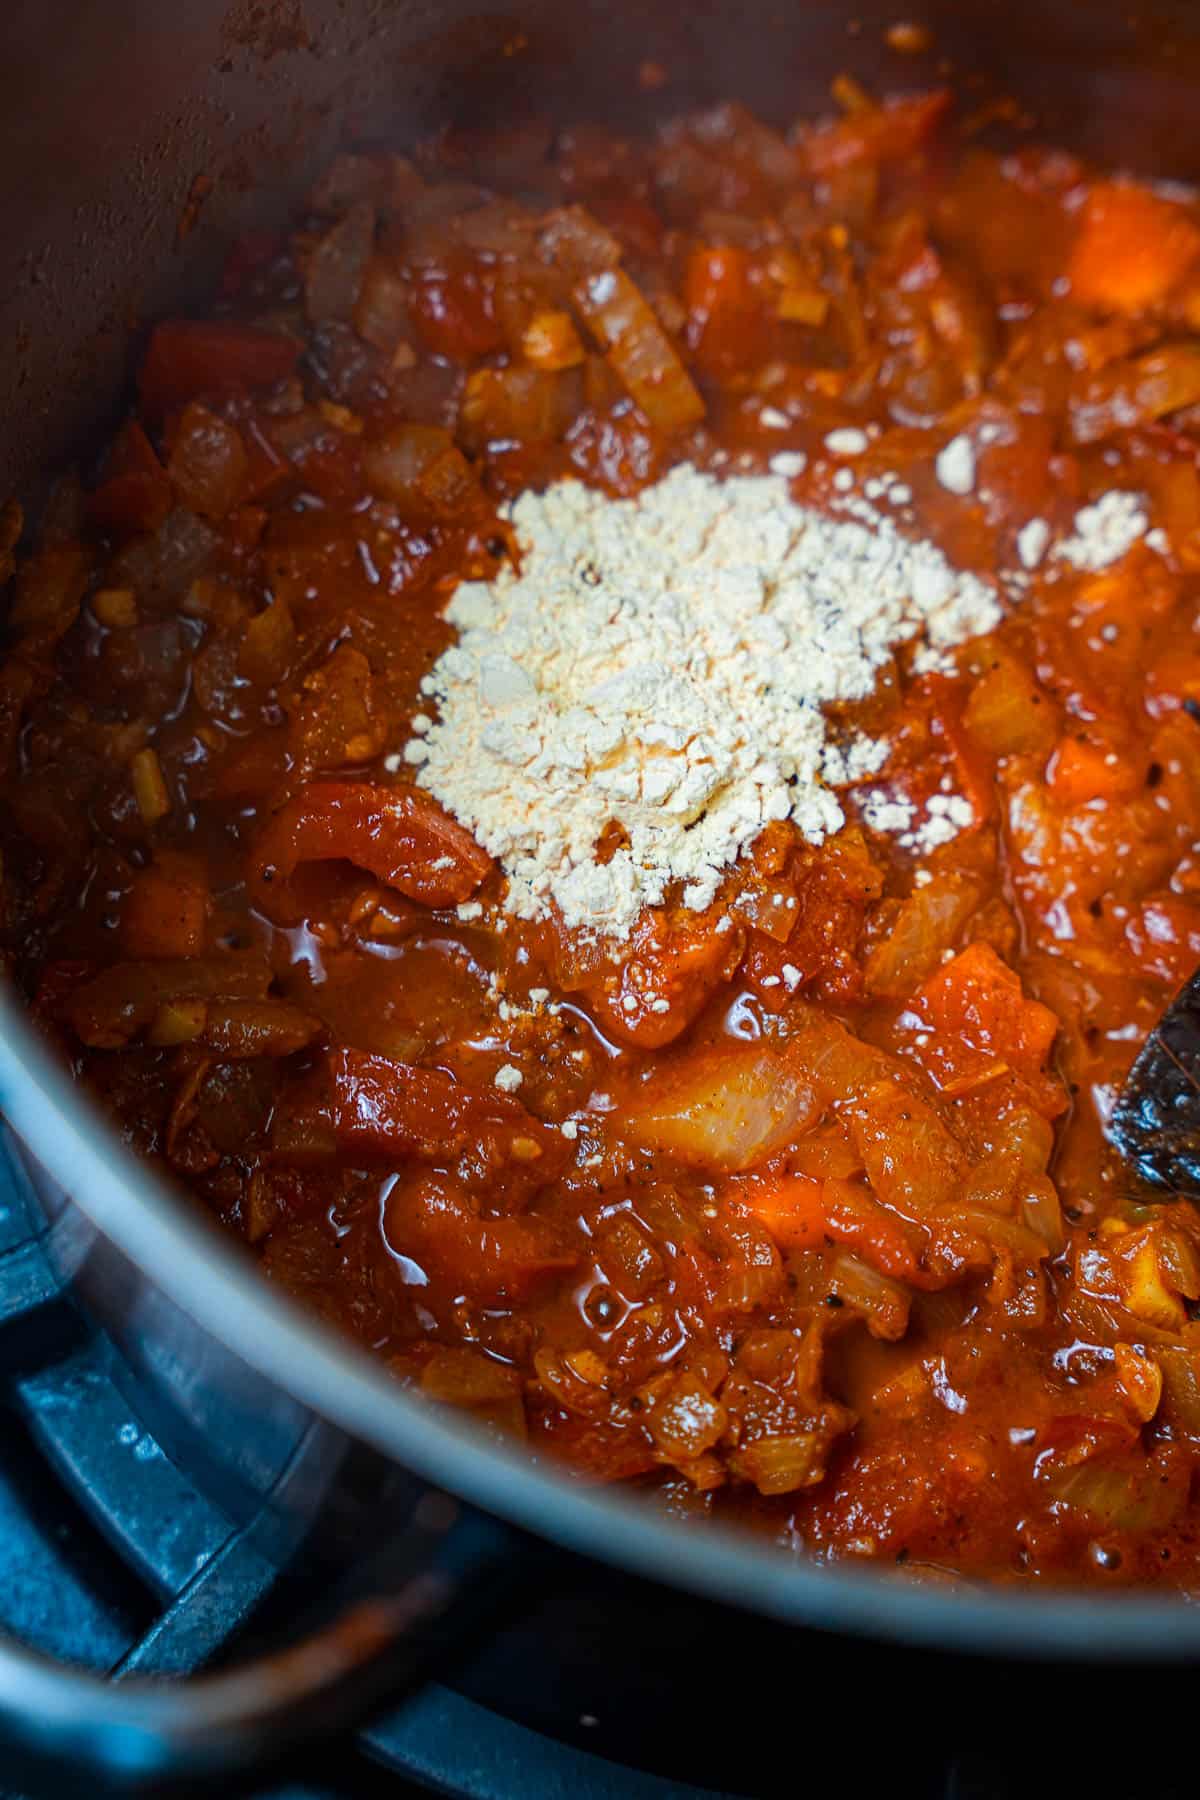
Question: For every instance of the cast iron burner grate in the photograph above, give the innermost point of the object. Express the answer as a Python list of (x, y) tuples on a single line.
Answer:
[(111, 1557)]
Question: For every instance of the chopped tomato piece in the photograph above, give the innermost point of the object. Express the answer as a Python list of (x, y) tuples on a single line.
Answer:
[(792, 1207), (134, 494), (720, 299), (599, 1451), (265, 468), (400, 835), (1085, 768), (913, 1161), (809, 926), (454, 313), (852, 1217), (980, 996), (1163, 934), (981, 1023), (399, 1108), (187, 358), (340, 718), (886, 133), (491, 1259), (656, 992), (972, 777), (166, 909), (1133, 248)]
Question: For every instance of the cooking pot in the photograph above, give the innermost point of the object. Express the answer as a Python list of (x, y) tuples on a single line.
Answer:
[(136, 140)]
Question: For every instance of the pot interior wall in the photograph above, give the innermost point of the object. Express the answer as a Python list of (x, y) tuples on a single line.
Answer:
[(137, 139)]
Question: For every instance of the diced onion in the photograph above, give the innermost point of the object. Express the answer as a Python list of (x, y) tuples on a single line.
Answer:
[(1181, 1386), (884, 1303), (576, 240), (726, 1109), (687, 1420), (1042, 1213), (781, 1465), (419, 465), (638, 349), (928, 923), (551, 342)]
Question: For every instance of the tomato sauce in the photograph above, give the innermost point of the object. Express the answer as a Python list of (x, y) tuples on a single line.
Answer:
[(833, 1242)]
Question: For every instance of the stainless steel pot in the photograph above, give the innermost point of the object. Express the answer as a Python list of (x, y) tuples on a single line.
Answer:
[(135, 139)]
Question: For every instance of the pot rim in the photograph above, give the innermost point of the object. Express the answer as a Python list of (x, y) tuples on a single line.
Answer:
[(189, 1261)]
